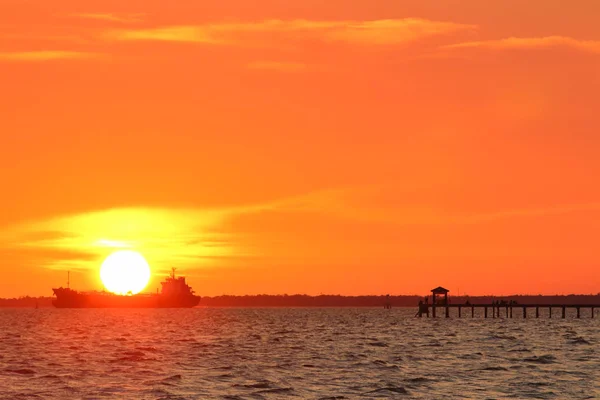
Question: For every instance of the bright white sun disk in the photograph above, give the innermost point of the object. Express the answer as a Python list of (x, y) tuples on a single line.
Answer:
[(125, 272)]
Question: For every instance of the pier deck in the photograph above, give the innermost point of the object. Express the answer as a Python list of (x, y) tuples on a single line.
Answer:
[(506, 310)]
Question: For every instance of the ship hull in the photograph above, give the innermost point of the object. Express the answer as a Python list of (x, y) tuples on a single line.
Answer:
[(72, 299)]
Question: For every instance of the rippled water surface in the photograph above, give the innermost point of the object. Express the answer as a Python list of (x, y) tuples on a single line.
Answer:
[(307, 353)]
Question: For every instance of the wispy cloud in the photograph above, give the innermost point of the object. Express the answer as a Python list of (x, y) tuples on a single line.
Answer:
[(112, 17), (378, 32), (278, 66), (183, 237), (193, 238), (528, 212), (46, 55), (591, 46), (369, 204), (394, 31), (167, 34)]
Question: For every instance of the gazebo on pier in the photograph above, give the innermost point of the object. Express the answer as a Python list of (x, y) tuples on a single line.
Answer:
[(439, 291)]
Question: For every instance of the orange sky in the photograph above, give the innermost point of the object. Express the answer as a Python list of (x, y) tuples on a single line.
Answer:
[(286, 146)]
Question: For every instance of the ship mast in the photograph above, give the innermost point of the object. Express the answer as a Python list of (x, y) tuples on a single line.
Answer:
[(173, 272), (68, 279)]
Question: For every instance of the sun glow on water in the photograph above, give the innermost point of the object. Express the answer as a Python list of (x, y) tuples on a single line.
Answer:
[(125, 272)]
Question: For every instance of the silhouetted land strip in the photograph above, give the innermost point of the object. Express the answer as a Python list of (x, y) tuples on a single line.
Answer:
[(299, 300)]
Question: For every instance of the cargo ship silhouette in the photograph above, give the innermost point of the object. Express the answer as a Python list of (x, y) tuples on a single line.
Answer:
[(175, 293)]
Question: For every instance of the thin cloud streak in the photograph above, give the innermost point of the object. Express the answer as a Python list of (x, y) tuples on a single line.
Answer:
[(189, 34), (590, 46), (376, 32), (47, 55), (278, 66), (112, 17), (357, 203)]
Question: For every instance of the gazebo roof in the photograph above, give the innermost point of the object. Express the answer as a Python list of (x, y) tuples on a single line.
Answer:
[(439, 290)]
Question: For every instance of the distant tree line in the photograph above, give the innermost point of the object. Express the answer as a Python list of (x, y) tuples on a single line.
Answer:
[(299, 300), (27, 301), (302, 300)]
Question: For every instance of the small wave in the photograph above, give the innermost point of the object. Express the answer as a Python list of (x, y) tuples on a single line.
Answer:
[(420, 379), (21, 371), (134, 359), (545, 359), (494, 369), (224, 368), (333, 398), (390, 389), (162, 393), (536, 384), (134, 353), (283, 332), (503, 337), (52, 377), (579, 340), (519, 350), (258, 385), (276, 390), (377, 344), (173, 378), (473, 356), (147, 348)]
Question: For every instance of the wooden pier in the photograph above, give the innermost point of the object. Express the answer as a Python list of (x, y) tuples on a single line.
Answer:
[(505, 310), (500, 309)]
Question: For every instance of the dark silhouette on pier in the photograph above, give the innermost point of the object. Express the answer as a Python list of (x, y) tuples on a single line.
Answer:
[(388, 303)]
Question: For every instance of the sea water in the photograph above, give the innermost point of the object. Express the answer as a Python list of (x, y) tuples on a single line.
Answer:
[(306, 353)]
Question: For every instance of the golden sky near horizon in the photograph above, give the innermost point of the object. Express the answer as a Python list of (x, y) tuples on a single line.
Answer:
[(287, 146)]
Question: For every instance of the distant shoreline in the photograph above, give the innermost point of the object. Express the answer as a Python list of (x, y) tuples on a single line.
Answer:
[(336, 300)]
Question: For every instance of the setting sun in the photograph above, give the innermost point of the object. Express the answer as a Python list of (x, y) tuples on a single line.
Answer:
[(125, 272)]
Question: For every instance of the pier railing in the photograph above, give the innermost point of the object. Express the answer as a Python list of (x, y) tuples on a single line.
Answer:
[(504, 310)]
